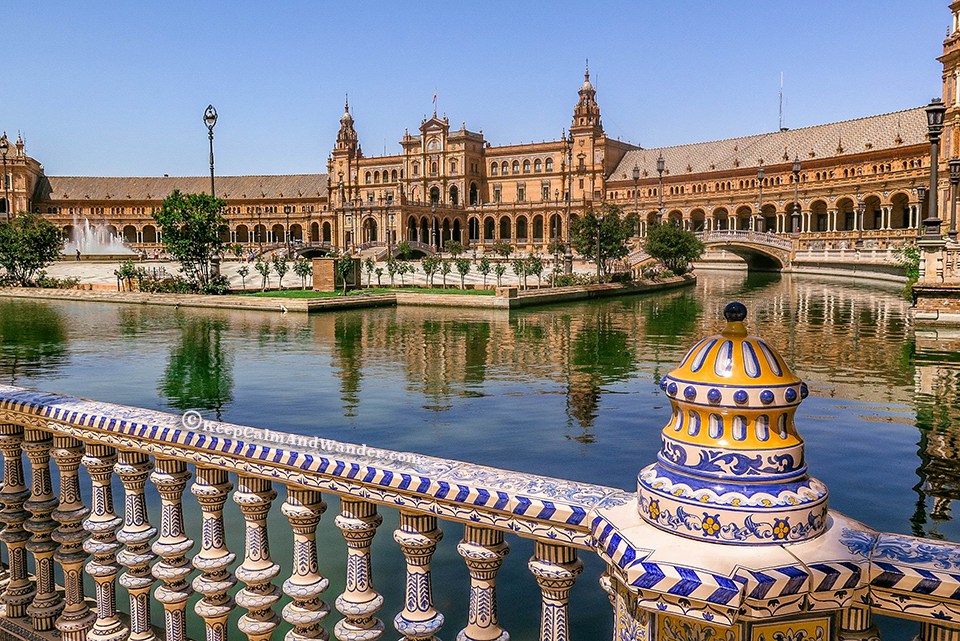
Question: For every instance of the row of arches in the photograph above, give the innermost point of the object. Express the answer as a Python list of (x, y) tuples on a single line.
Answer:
[(538, 165), (387, 176)]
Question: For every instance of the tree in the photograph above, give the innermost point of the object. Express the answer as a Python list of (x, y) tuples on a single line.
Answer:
[(281, 267), (344, 267), (302, 268), (463, 268), (444, 270), (192, 227), (28, 243), (430, 265), (519, 268), (484, 268), (379, 272), (264, 269), (499, 269), (368, 265), (236, 250), (455, 248), (534, 265), (615, 228), (502, 249), (673, 246), (391, 268), (243, 271), (404, 251)]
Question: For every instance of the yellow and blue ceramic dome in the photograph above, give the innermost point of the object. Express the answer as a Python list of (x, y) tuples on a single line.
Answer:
[(731, 466)]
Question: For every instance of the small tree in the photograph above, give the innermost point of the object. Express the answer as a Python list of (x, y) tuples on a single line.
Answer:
[(368, 265), (534, 265), (453, 247), (264, 269), (392, 268), (379, 272), (344, 266), (28, 243), (520, 269), (484, 268), (192, 227), (236, 250), (302, 268), (502, 249), (614, 230), (673, 246), (499, 269), (281, 267), (404, 251), (430, 265), (463, 268), (243, 271), (444, 270)]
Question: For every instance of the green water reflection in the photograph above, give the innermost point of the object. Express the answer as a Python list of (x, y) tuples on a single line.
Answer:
[(564, 391)]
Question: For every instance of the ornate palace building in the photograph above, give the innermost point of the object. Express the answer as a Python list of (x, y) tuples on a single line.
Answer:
[(860, 181)]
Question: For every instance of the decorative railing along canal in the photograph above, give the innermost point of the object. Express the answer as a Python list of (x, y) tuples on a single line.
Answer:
[(822, 578)]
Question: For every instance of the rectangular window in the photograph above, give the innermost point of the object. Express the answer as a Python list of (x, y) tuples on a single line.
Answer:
[(521, 193), (497, 193), (545, 192), (369, 196)]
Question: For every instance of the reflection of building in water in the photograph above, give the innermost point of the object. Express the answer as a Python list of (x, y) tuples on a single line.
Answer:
[(937, 381)]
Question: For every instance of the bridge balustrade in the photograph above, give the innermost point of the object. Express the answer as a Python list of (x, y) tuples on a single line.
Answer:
[(118, 537)]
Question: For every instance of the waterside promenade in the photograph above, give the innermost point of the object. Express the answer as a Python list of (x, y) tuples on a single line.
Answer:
[(764, 559)]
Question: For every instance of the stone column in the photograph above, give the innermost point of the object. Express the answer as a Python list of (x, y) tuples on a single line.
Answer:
[(47, 604), (133, 468), (556, 568), (856, 624), (483, 549), (932, 632), (831, 220), (211, 488), (418, 536), (358, 521), (254, 497), (76, 618), (305, 613), (102, 525), (19, 591), (173, 568)]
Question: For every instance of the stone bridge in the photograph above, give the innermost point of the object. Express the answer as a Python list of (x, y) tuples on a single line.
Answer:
[(762, 251)]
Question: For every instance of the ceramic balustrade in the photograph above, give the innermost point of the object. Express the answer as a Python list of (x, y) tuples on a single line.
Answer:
[(123, 447)]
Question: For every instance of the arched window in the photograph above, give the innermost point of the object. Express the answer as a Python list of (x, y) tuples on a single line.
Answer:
[(504, 168), (549, 164), (494, 169), (526, 166), (376, 177), (367, 177), (393, 176), (537, 166), (433, 168), (516, 166)]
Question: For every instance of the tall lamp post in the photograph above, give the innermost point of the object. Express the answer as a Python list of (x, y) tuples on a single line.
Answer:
[(954, 181), (861, 207), (599, 218), (568, 255), (661, 166), (260, 229), (931, 224), (761, 173), (210, 119), (795, 223), (4, 148), (636, 207), (286, 211)]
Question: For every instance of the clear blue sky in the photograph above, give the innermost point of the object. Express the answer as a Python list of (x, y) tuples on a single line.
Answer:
[(119, 88)]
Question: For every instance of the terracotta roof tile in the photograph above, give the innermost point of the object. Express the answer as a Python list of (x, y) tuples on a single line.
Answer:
[(157, 188)]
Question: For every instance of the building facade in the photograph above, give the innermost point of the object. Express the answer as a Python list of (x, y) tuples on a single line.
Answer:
[(860, 181)]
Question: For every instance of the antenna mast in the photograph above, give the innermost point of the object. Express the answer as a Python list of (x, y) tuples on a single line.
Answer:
[(781, 101)]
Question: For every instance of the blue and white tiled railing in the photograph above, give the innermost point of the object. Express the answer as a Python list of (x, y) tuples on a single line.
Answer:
[(70, 532)]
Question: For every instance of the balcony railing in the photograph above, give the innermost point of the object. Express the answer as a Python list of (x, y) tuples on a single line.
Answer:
[(76, 529)]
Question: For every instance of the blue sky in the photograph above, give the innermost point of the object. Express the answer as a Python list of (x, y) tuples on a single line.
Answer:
[(119, 88)]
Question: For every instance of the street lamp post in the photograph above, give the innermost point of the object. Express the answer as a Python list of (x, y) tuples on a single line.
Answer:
[(954, 181), (761, 173), (931, 224), (4, 148), (661, 166), (568, 254), (861, 207), (259, 233), (210, 119), (795, 223), (286, 233), (599, 218), (636, 208)]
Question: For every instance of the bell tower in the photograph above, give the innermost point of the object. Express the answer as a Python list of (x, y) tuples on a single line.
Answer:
[(587, 140), (586, 115), (342, 165), (951, 85)]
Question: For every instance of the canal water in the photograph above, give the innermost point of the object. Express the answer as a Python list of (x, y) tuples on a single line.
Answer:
[(563, 391)]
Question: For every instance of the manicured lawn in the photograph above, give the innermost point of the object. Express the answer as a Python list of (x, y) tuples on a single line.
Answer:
[(298, 293)]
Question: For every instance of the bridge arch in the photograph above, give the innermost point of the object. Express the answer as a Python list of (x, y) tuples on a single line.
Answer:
[(761, 251)]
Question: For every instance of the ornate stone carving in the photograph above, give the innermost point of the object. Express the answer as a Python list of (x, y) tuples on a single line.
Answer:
[(20, 590), (76, 618), (133, 468), (171, 478), (102, 525), (305, 585), (214, 559), (418, 536), (254, 497), (483, 549), (556, 568), (47, 604), (358, 521)]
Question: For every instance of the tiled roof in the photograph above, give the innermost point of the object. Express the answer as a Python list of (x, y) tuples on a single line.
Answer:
[(157, 188), (822, 141)]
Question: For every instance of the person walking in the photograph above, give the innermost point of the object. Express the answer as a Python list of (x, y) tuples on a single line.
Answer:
[(78, 254)]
